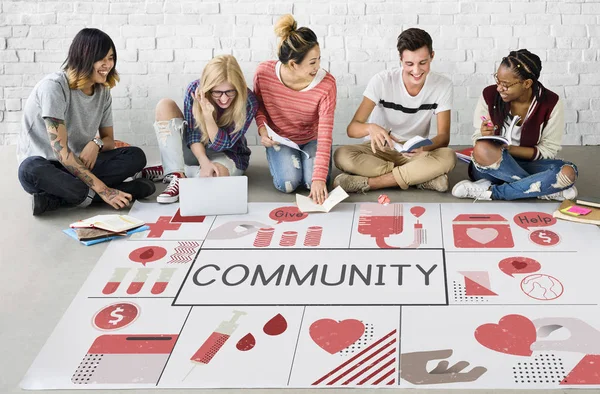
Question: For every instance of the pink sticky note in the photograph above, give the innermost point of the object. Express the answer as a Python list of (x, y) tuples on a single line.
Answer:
[(579, 210)]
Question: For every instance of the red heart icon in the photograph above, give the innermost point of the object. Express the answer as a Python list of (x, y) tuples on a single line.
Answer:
[(333, 336), (513, 334), (519, 265)]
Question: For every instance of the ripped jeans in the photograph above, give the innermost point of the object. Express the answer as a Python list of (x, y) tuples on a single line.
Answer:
[(515, 179), (290, 168)]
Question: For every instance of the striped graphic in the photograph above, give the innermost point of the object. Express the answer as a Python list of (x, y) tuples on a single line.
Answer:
[(264, 237), (375, 365), (184, 253), (313, 236), (288, 238)]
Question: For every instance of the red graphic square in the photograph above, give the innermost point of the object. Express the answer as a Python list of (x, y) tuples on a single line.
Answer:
[(482, 231)]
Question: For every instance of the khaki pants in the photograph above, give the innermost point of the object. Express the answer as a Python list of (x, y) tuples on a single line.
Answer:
[(360, 160)]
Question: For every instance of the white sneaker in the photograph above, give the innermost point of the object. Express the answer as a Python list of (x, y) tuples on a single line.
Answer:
[(567, 194), (171, 193), (477, 190)]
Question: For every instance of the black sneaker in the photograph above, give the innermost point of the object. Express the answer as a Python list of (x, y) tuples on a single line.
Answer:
[(138, 188), (43, 202)]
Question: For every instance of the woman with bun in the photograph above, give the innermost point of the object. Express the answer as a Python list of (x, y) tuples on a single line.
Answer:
[(297, 100)]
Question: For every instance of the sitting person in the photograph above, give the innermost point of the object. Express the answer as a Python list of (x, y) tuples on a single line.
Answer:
[(398, 104), (218, 108), (297, 100), (61, 161), (526, 167)]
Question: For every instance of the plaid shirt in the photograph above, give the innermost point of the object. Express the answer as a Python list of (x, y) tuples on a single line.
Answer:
[(234, 145)]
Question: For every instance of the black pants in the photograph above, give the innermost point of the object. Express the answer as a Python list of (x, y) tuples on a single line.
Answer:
[(38, 175)]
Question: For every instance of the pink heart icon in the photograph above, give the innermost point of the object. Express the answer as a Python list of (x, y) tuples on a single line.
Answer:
[(513, 334), (482, 235), (333, 336)]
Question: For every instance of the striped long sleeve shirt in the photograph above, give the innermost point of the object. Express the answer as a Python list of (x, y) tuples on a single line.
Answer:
[(234, 145), (301, 116)]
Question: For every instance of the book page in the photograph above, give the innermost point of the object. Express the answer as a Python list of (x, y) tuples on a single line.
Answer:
[(306, 204), (412, 144), (115, 223)]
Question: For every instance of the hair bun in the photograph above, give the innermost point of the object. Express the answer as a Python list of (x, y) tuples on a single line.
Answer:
[(285, 26)]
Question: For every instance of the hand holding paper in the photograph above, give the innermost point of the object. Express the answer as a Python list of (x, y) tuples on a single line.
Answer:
[(306, 204), (283, 141)]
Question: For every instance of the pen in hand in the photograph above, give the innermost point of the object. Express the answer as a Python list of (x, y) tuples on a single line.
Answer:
[(489, 122)]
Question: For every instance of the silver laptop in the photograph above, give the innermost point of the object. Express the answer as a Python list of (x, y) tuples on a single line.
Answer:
[(226, 195)]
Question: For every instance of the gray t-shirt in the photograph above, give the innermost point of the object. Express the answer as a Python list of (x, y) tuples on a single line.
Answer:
[(83, 116)]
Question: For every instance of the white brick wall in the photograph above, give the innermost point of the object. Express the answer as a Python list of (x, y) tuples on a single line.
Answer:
[(164, 44)]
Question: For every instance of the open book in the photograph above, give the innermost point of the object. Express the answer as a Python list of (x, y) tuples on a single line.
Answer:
[(415, 142), (114, 223), (306, 204), (506, 137), (283, 141)]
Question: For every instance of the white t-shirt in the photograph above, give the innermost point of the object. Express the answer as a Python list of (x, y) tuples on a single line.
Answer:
[(317, 79), (407, 116)]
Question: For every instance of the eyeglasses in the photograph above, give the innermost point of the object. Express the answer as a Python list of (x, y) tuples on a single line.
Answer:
[(216, 94), (504, 85)]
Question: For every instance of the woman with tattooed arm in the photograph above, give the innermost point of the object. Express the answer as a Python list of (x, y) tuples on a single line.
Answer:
[(66, 149)]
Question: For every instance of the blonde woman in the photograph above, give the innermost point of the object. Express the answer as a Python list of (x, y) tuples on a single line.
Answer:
[(66, 150), (218, 108), (297, 100)]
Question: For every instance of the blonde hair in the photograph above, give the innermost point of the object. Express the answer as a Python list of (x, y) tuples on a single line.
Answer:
[(294, 42), (221, 69), (79, 81)]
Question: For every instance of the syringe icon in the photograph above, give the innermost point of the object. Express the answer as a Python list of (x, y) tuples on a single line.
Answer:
[(215, 341)]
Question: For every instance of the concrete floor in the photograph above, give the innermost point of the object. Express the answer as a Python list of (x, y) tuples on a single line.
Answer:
[(41, 270)]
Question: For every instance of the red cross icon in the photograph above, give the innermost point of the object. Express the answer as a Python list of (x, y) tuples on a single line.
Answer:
[(162, 224)]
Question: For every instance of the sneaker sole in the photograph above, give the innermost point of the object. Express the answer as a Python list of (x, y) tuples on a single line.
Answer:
[(167, 199)]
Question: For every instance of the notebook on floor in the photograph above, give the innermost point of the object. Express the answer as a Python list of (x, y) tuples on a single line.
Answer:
[(226, 195)]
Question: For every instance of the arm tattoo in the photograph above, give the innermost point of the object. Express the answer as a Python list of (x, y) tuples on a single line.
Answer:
[(109, 193), (80, 171), (60, 147), (52, 125)]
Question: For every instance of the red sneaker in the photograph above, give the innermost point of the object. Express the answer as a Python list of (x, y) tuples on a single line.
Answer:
[(171, 193), (155, 173)]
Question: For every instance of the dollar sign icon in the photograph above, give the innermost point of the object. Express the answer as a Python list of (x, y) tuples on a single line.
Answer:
[(116, 316), (544, 237)]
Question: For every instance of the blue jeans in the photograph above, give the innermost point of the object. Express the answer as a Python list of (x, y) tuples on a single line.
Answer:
[(290, 168), (515, 178), (39, 175)]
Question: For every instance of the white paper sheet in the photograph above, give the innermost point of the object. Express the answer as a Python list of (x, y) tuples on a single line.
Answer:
[(283, 141)]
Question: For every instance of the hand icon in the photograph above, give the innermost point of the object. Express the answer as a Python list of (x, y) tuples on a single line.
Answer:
[(583, 339), (413, 368), (233, 230)]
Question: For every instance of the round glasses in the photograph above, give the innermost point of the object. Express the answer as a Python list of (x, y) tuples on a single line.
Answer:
[(504, 85), (217, 94)]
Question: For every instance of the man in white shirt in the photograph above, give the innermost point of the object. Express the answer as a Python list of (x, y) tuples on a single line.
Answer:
[(399, 104)]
